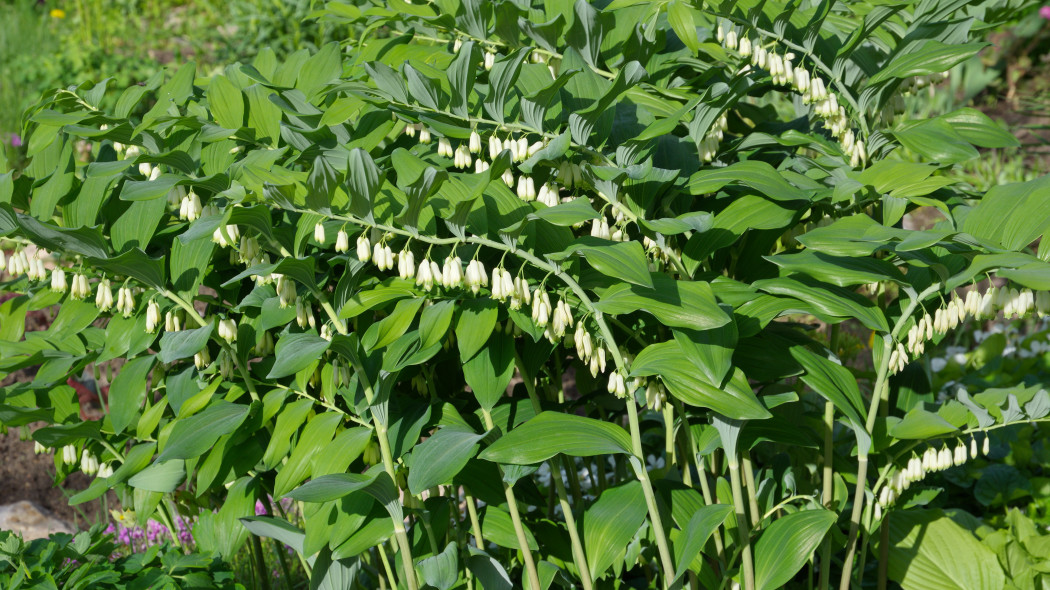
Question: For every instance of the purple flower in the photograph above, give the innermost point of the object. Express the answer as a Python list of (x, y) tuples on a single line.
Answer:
[(1045, 12), (16, 140), (260, 508)]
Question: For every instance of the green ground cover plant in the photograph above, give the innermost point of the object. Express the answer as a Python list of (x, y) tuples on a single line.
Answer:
[(522, 295)]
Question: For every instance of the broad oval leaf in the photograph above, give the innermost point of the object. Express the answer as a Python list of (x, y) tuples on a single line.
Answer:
[(550, 433), (787, 545), (295, 352), (928, 550)]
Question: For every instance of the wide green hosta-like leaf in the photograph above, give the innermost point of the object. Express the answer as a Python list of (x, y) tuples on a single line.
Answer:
[(787, 545), (930, 551), (550, 433)]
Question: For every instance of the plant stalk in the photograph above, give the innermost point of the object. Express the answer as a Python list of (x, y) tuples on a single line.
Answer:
[(515, 519), (747, 566), (827, 491)]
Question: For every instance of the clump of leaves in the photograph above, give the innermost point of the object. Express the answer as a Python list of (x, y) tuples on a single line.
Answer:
[(525, 295), (89, 559)]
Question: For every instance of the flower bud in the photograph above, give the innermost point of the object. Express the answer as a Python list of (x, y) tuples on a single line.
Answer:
[(69, 455), (58, 280), (452, 273), (364, 249), (731, 41), (105, 471), (424, 277), (462, 158), (342, 241), (126, 302), (302, 314), (406, 264), (319, 233), (475, 142), (745, 47), (228, 330), (202, 359), (104, 296), (265, 345), (226, 368), (424, 135), (88, 463), (152, 316), (286, 291)]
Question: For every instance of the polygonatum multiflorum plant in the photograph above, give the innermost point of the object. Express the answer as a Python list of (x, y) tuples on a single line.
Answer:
[(527, 294)]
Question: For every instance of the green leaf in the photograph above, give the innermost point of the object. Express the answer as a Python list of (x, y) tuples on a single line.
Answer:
[(835, 302), (192, 437), (755, 174), (701, 526), (921, 424), (184, 343), (291, 417), (127, 392), (680, 17), (709, 350), (610, 523), (979, 129), (933, 57), (488, 372), (1012, 215), (929, 550), (502, 78), (323, 67), (295, 352), (363, 181), (936, 140), (226, 102), (439, 458), (393, 326), (787, 545), (317, 434), (620, 260), (678, 304), (550, 433), (275, 528), (833, 382), (263, 115), (442, 570), (160, 477), (575, 211), (434, 323), (332, 487), (497, 527), (477, 317), (461, 74), (839, 270), (688, 383)]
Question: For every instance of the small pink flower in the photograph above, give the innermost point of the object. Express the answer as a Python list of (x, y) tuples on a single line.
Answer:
[(1045, 12)]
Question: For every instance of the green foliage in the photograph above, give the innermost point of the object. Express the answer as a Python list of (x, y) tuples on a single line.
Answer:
[(88, 560), (613, 230)]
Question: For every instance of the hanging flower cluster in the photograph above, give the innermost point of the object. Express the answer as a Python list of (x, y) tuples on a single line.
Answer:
[(785, 72), (1012, 302), (932, 460)]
